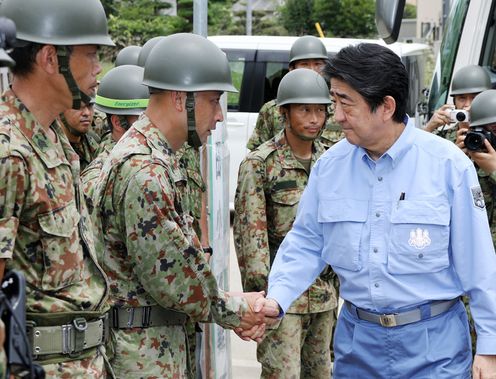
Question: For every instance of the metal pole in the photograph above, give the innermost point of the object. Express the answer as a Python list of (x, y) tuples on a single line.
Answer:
[(249, 19), (200, 17)]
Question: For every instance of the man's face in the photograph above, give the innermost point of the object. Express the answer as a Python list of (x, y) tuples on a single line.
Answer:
[(313, 64), (81, 119), (306, 120), (464, 101), (85, 67), (207, 113), (360, 126)]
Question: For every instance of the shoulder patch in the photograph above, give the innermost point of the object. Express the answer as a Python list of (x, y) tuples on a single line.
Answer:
[(478, 197)]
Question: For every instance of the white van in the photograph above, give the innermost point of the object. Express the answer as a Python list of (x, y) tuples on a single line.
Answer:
[(469, 38), (258, 64)]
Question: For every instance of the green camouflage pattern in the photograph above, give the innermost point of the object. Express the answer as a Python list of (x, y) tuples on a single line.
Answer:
[(99, 125), (269, 123), (86, 148), (44, 223), (189, 160), (90, 174), (270, 184), (298, 348), (152, 254)]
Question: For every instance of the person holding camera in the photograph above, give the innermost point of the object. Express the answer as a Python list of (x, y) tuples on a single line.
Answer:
[(468, 82)]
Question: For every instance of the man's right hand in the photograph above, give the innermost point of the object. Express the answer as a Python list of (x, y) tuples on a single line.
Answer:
[(439, 118)]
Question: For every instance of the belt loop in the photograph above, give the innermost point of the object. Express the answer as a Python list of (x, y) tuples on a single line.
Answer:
[(425, 311), (353, 310), (115, 318), (146, 316), (79, 326)]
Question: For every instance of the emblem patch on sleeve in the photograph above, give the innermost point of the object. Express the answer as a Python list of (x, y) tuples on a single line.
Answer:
[(478, 197)]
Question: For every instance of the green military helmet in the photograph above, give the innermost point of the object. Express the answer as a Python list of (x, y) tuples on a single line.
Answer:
[(121, 91), (146, 49), (470, 79), (483, 108), (128, 55), (303, 86), (307, 47), (58, 22), (188, 62)]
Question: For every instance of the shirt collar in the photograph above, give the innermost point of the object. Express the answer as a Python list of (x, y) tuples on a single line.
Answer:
[(155, 139), (399, 148)]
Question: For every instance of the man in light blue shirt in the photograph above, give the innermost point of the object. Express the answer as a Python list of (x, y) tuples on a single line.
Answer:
[(399, 215)]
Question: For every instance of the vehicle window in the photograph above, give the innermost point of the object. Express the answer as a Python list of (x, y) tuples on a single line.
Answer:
[(446, 60), (489, 50), (274, 72), (237, 70), (414, 66)]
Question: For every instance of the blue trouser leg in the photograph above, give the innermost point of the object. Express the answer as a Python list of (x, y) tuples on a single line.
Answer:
[(436, 348)]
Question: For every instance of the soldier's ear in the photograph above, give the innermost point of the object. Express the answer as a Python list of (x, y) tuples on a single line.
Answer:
[(47, 60)]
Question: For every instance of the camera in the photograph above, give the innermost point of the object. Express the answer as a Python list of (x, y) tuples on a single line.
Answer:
[(474, 140), (459, 115)]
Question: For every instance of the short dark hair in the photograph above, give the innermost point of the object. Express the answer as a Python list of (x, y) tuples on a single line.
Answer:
[(374, 71), (25, 57)]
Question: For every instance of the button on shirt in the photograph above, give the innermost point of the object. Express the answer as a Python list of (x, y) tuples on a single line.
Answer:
[(389, 253)]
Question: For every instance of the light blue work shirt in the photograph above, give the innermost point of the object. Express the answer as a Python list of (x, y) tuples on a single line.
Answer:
[(390, 250)]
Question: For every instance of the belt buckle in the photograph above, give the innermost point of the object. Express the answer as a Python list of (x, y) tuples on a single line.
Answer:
[(388, 321)]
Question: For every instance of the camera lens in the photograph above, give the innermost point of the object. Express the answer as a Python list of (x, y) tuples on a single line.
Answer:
[(461, 116), (474, 141)]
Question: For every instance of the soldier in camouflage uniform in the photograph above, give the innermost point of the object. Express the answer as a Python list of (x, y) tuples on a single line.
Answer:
[(159, 277), (271, 181), (76, 125), (122, 98), (306, 52), (468, 82), (45, 228)]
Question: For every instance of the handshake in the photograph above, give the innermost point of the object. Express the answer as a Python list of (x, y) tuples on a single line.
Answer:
[(260, 313)]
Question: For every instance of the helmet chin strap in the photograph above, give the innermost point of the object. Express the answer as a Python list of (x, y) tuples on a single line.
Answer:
[(193, 137), (71, 130), (77, 95)]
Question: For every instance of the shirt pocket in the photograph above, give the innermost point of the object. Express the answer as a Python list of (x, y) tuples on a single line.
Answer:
[(62, 253), (419, 237), (284, 206), (342, 222)]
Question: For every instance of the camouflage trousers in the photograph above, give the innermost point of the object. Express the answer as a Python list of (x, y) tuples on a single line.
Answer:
[(150, 353), (298, 348), (87, 368)]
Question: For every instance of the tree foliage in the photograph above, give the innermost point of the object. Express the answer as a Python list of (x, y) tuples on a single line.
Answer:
[(338, 18)]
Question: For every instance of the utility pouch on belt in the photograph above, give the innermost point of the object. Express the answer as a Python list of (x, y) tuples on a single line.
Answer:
[(65, 336), (145, 317)]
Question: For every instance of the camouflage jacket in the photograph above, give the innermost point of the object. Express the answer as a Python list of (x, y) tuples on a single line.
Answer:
[(90, 174), (152, 254), (189, 160), (99, 125), (44, 223), (86, 148), (269, 124), (270, 184), (488, 184)]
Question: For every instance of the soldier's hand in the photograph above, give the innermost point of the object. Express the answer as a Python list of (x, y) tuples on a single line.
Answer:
[(439, 118), (484, 367), (256, 333), (460, 139), (485, 160)]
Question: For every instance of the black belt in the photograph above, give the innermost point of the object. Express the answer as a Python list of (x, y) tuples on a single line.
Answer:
[(401, 318), (144, 317)]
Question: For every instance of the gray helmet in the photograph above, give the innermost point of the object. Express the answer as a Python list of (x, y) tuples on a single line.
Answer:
[(303, 86), (128, 55), (121, 91), (146, 49), (470, 79), (483, 108), (58, 22), (307, 47), (188, 62)]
